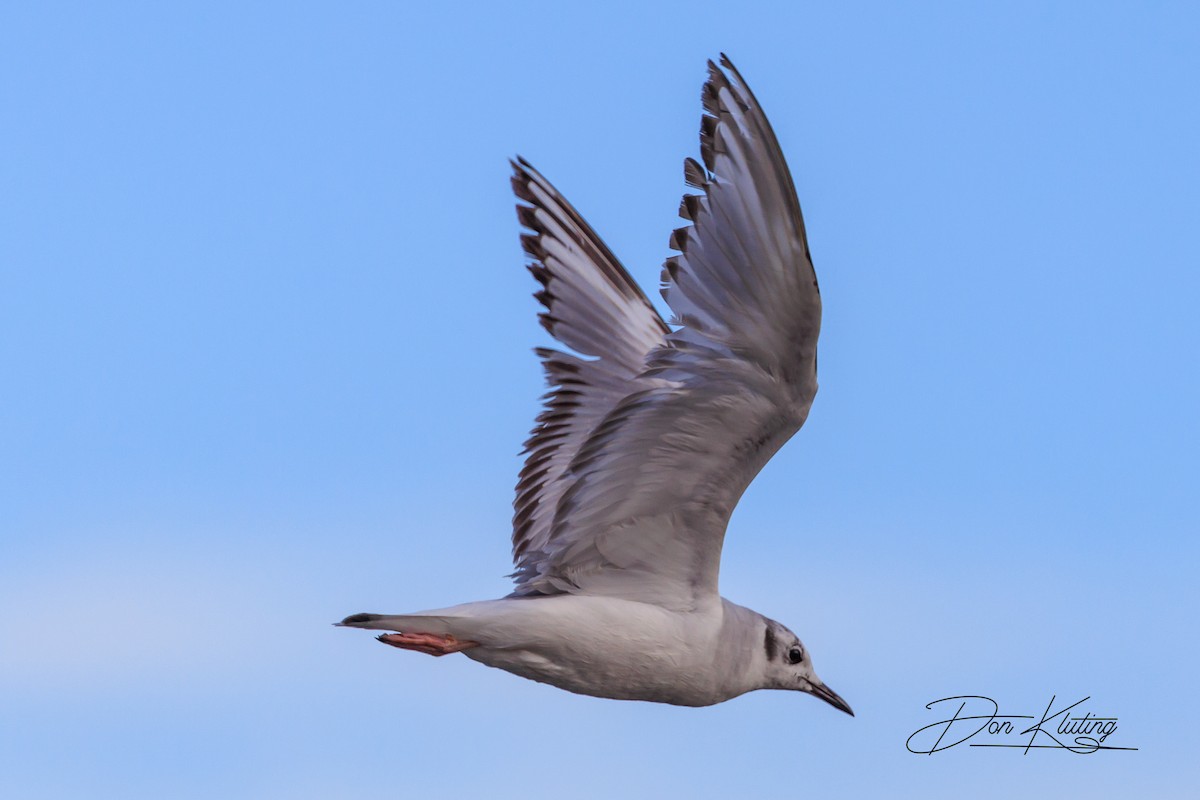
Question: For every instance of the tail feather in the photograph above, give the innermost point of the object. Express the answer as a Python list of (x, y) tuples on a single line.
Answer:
[(405, 623)]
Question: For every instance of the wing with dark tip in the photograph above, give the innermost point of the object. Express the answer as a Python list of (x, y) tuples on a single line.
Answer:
[(596, 309), (744, 280), (652, 455)]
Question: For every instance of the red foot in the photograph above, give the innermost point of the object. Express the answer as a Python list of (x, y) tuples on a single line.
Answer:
[(430, 643)]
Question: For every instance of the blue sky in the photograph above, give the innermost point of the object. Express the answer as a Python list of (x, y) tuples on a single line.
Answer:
[(265, 353)]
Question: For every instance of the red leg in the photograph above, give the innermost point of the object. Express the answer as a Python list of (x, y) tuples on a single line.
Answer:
[(430, 643)]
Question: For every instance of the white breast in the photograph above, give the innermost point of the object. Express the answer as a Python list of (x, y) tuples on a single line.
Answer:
[(605, 647)]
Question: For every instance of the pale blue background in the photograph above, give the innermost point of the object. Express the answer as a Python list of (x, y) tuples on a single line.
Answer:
[(264, 353)]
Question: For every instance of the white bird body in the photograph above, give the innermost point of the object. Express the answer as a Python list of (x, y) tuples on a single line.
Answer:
[(608, 647), (649, 437)]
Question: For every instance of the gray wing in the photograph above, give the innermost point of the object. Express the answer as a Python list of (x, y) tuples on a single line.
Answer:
[(593, 307), (643, 502)]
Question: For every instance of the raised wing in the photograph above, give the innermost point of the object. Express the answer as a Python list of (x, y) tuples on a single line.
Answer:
[(643, 503), (593, 307)]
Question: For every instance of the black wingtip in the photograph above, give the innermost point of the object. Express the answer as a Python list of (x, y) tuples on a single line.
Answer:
[(358, 619), (521, 169)]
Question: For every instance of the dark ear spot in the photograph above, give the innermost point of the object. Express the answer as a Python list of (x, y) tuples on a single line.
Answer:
[(770, 644)]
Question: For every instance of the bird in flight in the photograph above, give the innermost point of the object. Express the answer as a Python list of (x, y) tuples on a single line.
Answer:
[(649, 435)]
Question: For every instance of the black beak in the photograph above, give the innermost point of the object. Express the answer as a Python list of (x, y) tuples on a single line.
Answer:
[(822, 691)]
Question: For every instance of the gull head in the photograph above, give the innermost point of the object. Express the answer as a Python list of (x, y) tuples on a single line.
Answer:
[(787, 665)]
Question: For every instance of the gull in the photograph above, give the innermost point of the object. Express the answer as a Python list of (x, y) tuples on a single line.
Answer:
[(649, 435)]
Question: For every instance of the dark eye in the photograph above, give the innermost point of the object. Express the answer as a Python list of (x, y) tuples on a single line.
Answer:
[(795, 655)]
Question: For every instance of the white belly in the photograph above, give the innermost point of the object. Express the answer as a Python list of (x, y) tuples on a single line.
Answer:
[(604, 647)]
